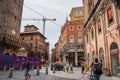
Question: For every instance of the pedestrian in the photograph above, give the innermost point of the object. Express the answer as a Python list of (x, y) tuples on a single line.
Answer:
[(82, 65), (85, 67), (67, 67), (71, 68), (97, 70), (27, 69)]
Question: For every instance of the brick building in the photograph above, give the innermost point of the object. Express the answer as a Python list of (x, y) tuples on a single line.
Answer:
[(10, 20), (36, 41), (71, 48), (102, 36)]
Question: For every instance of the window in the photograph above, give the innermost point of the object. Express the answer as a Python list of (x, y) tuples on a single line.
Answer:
[(31, 38), (87, 38), (99, 26), (92, 33), (71, 28), (76, 13), (22, 38), (90, 5), (81, 12), (79, 27), (79, 38), (110, 15), (71, 38)]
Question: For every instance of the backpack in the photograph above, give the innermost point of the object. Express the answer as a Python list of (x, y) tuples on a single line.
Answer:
[(98, 69)]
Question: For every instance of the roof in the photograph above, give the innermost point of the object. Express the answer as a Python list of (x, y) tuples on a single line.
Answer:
[(33, 32), (31, 26)]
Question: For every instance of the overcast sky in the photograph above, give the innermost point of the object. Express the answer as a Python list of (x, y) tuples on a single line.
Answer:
[(59, 9)]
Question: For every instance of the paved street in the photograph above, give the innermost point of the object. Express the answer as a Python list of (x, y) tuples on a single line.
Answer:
[(59, 75)]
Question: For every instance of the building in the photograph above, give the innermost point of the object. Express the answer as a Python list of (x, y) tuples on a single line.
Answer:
[(71, 40), (10, 21), (35, 40), (102, 36), (53, 55)]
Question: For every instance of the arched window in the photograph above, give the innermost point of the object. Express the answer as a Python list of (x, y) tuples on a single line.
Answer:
[(71, 38), (79, 38), (92, 33), (71, 28), (99, 26), (110, 15), (90, 5), (87, 38)]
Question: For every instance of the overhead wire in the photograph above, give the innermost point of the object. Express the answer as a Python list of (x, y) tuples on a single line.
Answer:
[(48, 8), (40, 14)]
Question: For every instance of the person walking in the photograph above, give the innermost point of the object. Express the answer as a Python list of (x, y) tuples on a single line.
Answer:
[(71, 68), (27, 69), (82, 65), (97, 70)]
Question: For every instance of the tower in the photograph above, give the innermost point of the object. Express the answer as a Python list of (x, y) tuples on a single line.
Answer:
[(10, 16)]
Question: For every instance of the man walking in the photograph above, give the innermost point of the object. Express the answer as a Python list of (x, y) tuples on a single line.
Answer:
[(27, 69), (97, 70)]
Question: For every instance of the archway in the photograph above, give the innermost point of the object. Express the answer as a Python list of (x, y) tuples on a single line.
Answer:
[(114, 52), (101, 52)]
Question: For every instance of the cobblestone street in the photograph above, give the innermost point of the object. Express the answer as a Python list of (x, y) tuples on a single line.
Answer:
[(59, 75)]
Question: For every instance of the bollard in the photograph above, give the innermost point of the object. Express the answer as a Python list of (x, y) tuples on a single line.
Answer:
[(54, 70), (46, 70), (37, 71), (64, 68), (10, 73), (4, 68)]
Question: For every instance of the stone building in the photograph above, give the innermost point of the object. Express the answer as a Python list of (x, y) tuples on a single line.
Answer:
[(102, 36), (10, 21), (36, 40), (71, 48)]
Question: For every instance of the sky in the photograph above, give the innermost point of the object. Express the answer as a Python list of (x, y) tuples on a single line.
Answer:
[(50, 9)]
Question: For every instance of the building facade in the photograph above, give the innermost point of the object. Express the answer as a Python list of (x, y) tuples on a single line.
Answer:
[(71, 48), (102, 36), (35, 40), (10, 20)]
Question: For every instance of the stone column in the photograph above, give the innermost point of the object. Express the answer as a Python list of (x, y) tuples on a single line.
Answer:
[(76, 58), (64, 58)]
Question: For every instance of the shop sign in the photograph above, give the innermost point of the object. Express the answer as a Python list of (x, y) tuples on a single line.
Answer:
[(114, 51)]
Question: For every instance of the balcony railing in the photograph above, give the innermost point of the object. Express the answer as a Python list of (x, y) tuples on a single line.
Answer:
[(9, 39)]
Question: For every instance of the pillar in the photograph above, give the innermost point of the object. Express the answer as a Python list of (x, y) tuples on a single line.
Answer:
[(76, 58)]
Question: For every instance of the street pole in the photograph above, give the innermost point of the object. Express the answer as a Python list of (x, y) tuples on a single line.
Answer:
[(10, 72), (44, 20), (44, 26), (37, 71)]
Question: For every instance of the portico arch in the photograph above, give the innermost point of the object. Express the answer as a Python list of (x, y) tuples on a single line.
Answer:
[(114, 53)]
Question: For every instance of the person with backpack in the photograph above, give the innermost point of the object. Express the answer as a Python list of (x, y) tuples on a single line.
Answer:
[(97, 70)]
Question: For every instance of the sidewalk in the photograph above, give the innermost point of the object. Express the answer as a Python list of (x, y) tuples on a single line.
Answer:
[(77, 75)]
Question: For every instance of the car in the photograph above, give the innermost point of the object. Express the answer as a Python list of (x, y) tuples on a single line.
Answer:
[(58, 67)]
